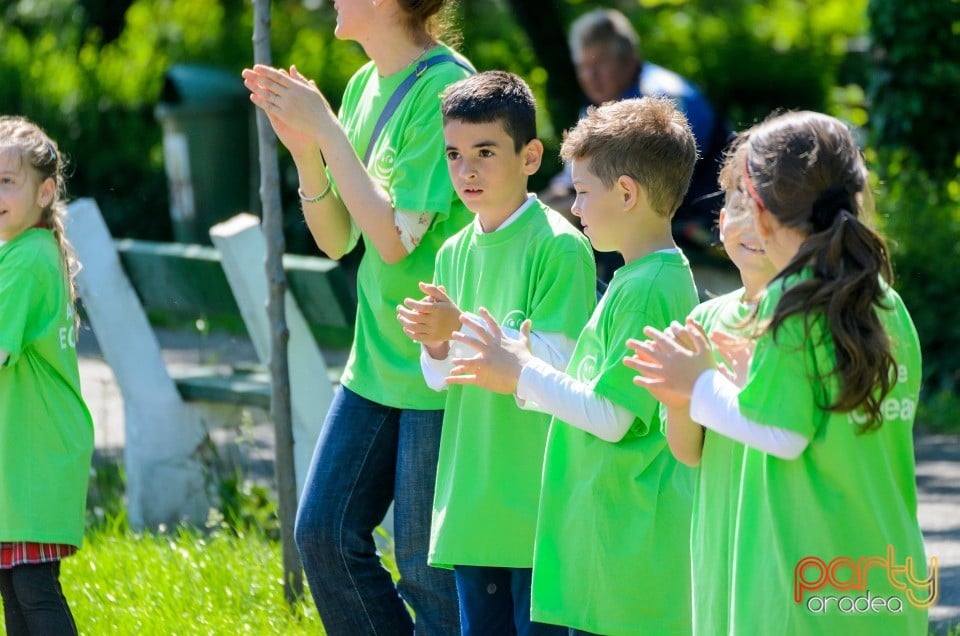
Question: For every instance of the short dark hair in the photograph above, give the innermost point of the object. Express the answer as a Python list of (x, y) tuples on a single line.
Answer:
[(646, 139), (494, 96)]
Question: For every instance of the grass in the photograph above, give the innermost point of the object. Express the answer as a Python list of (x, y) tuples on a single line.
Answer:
[(182, 583), (225, 579)]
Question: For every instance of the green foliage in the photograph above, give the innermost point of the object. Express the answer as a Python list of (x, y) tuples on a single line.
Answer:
[(917, 78), (751, 58), (182, 583), (921, 218), (245, 507), (225, 580), (940, 412), (92, 73), (96, 97), (105, 494)]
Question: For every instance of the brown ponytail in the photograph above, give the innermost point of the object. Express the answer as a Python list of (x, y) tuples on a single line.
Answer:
[(808, 173), (435, 17)]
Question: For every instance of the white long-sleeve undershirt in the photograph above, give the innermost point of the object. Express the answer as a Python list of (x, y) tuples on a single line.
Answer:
[(545, 388), (556, 348), (714, 404)]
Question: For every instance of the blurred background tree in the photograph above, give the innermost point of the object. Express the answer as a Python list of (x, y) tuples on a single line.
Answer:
[(916, 153), (92, 72)]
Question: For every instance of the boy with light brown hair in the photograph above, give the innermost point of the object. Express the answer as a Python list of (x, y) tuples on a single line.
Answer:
[(612, 552)]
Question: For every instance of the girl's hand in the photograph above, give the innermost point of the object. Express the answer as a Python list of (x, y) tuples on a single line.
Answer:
[(669, 367), (644, 361), (736, 352), (499, 359), (298, 111)]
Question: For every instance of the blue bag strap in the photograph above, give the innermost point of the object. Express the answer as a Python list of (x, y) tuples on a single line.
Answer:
[(402, 91)]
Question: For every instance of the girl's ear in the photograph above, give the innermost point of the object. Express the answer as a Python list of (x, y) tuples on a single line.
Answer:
[(532, 156), (722, 221), (48, 190), (763, 221)]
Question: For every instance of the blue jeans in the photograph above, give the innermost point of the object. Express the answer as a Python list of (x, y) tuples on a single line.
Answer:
[(367, 456), (33, 601), (497, 601)]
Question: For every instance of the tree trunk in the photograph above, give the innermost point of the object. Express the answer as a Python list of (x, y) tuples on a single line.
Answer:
[(544, 24), (280, 411)]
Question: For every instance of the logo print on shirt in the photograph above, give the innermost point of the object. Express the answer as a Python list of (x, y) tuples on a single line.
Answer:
[(382, 166), (514, 319), (587, 369)]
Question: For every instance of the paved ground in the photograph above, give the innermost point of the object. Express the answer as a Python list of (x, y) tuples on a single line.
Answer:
[(938, 457)]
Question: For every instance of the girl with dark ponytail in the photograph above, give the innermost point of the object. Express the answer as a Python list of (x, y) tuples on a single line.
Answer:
[(823, 396), (811, 173)]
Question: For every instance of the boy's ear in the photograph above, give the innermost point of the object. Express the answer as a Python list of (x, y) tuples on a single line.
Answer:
[(722, 221), (532, 156), (632, 193)]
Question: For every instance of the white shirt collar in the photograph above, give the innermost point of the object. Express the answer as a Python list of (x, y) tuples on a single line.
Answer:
[(510, 219)]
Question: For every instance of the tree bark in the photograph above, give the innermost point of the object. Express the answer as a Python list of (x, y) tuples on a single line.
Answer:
[(544, 24), (280, 410)]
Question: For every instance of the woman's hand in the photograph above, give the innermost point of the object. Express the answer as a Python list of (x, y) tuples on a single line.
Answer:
[(298, 111), (499, 359)]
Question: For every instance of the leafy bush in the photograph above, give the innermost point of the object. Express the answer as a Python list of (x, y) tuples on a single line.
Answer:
[(916, 52), (921, 218), (751, 58), (97, 97), (92, 74), (917, 77)]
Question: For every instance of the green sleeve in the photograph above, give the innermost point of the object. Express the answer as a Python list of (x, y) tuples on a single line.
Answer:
[(419, 179), (565, 293), (780, 389), (615, 381)]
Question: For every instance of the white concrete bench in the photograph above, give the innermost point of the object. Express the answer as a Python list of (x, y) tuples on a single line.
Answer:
[(167, 416)]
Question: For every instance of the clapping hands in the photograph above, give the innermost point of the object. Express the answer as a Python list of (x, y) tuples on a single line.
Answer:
[(499, 358)]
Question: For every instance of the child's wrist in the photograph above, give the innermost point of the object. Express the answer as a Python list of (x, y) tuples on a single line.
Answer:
[(437, 350)]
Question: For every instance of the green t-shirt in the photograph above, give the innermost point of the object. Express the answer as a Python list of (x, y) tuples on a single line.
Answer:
[(715, 497), (46, 433), (848, 496), (612, 552), (491, 452), (409, 162)]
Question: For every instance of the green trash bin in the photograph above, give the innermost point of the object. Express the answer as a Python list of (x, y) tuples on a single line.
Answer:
[(208, 149)]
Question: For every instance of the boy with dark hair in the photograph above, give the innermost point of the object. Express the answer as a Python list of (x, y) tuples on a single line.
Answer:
[(524, 261), (612, 550)]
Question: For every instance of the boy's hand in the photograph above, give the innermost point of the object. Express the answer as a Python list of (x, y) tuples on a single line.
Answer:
[(430, 320), (499, 359), (671, 365), (645, 361)]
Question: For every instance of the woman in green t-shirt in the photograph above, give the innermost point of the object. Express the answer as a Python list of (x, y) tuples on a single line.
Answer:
[(46, 433), (380, 440), (827, 539)]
